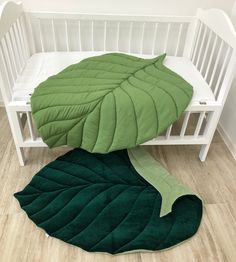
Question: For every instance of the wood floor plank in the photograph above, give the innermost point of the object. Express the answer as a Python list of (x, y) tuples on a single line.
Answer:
[(214, 181)]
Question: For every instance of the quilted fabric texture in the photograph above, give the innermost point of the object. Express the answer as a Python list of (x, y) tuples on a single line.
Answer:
[(109, 102), (100, 203)]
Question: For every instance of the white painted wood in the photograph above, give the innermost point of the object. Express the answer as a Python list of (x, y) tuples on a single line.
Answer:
[(41, 35), (178, 40), (113, 17), (211, 57), (130, 36), (222, 71), (67, 36), (167, 37), (118, 36), (168, 132), (154, 38), (228, 79), (92, 38), (206, 50), (216, 63), (54, 36), (7, 61), (11, 55), (201, 47), (199, 124), (197, 42), (5, 84), (142, 38), (105, 36), (9, 13), (15, 50), (79, 34), (30, 125), (220, 23), (18, 45), (21, 36), (185, 124), (190, 41), (30, 37)]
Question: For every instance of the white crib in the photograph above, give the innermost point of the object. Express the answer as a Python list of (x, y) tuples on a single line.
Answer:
[(34, 46)]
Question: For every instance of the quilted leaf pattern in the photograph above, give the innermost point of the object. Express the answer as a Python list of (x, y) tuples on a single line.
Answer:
[(100, 203), (109, 102)]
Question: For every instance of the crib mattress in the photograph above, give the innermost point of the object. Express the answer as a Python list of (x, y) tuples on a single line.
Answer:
[(42, 65)]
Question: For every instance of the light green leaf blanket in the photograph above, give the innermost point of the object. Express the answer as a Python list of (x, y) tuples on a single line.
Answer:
[(109, 102)]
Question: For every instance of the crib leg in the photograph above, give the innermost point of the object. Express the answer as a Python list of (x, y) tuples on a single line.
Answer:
[(21, 156), (212, 122), (203, 152)]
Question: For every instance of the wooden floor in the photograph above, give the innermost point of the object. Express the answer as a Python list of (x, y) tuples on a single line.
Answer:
[(214, 180)]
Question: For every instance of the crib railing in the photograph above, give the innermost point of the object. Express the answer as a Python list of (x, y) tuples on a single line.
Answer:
[(193, 128), (14, 48), (213, 53), (132, 34)]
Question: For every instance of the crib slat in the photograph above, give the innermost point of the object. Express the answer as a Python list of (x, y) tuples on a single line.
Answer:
[(205, 52), (30, 125), (7, 61), (24, 36), (178, 39), (54, 35), (197, 42), (6, 73), (199, 124), (14, 47), (79, 34), (118, 36), (201, 47), (18, 45), (21, 35), (168, 132), (11, 56), (105, 36), (67, 36), (41, 36), (167, 37), (130, 36), (154, 38), (211, 57), (142, 38), (92, 37), (31, 39), (222, 70), (216, 63), (185, 124)]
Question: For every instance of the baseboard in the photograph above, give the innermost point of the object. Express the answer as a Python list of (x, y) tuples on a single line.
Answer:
[(227, 140)]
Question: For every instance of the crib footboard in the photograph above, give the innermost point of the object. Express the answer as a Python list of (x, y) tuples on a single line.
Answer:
[(195, 127)]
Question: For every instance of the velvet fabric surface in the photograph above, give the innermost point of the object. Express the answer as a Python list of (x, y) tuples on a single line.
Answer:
[(101, 203), (109, 102)]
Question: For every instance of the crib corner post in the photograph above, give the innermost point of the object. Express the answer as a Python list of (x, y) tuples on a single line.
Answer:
[(212, 122), (203, 152)]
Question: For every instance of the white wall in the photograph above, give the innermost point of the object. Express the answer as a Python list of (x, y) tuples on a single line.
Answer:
[(228, 117), (175, 7)]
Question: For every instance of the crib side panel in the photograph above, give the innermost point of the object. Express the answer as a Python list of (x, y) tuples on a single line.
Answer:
[(14, 50), (133, 34), (213, 51)]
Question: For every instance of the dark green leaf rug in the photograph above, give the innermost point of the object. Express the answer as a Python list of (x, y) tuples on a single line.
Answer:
[(119, 202)]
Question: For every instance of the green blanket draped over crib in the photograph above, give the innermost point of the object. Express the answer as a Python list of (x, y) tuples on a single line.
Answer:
[(109, 102)]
